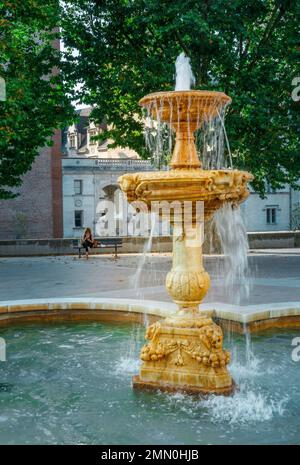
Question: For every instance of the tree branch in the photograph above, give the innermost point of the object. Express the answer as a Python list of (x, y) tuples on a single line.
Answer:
[(182, 44), (274, 20)]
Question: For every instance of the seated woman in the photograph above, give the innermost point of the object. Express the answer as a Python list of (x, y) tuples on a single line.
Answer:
[(88, 241)]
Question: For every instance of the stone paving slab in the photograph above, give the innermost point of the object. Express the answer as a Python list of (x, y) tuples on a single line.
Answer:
[(274, 277)]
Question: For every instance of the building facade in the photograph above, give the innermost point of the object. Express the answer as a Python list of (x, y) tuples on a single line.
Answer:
[(91, 171), (70, 184), (90, 179), (90, 188), (278, 211)]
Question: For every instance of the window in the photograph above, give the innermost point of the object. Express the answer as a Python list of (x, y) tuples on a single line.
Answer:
[(72, 141), (78, 218), (77, 186), (93, 132), (271, 215)]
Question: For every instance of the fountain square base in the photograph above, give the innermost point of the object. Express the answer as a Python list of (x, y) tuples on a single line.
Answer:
[(185, 353), (140, 385)]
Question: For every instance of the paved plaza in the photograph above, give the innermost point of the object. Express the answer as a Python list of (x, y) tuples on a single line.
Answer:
[(274, 277)]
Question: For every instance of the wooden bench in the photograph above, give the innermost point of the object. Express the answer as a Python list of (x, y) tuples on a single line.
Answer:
[(104, 243)]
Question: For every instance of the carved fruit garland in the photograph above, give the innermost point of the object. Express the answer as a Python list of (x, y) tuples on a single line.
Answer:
[(208, 351)]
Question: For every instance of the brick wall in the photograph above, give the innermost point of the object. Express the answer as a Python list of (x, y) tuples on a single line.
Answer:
[(30, 214), (56, 185)]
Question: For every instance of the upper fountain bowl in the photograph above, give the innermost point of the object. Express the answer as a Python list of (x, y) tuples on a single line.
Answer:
[(213, 187), (185, 111), (192, 106)]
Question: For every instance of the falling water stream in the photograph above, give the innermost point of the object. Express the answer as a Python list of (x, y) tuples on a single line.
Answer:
[(136, 280), (210, 143), (234, 269)]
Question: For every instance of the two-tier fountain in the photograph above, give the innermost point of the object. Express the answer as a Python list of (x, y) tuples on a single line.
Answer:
[(184, 352)]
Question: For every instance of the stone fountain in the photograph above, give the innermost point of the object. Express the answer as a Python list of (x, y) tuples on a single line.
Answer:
[(185, 351)]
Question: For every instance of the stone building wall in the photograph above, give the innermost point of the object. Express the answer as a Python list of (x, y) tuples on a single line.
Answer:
[(99, 178), (254, 211)]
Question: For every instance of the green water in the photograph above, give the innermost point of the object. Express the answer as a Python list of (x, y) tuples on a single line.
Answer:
[(70, 384)]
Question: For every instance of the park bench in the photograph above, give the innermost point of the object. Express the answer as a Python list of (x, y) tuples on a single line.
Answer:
[(104, 243)]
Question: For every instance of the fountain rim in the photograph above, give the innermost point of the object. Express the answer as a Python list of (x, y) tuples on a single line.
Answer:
[(234, 317), (195, 94), (185, 175)]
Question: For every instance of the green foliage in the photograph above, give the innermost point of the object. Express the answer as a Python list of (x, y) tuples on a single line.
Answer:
[(36, 101), (126, 49), (247, 48)]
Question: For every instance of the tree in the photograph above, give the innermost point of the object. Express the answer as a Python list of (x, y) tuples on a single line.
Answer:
[(127, 48), (36, 99)]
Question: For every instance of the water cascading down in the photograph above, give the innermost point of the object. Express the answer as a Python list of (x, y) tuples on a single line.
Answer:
[(185, 352)]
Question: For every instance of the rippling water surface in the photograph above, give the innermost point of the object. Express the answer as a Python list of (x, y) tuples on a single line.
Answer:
[(70, 384)]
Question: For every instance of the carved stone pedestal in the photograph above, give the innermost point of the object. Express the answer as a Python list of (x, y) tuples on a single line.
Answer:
[(184, 353)]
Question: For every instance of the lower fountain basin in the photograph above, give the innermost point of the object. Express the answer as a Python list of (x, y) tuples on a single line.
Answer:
[(70, 384)]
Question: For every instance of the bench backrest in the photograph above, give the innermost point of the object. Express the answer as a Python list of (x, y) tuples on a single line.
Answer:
[(101, 240), (110, 240)]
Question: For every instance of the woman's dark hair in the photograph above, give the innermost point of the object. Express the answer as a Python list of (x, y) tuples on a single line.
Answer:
[(88, 230)]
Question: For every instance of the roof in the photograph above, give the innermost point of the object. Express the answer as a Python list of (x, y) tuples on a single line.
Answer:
[(82, 126)]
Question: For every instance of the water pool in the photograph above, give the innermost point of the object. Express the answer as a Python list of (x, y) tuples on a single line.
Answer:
[(70, 384)]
